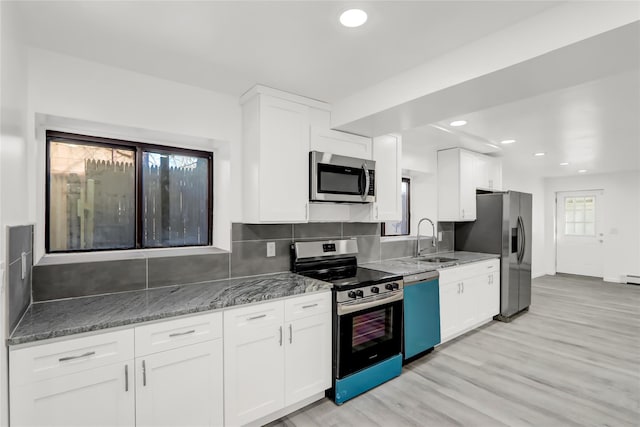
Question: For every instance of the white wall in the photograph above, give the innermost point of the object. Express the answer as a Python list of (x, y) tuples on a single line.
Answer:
[(621, 212), (523, 181), (92, 93), (13, 165)]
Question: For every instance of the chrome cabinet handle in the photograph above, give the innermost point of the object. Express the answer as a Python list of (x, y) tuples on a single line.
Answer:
[(87, 354), (280, 336), (126, 377), (309, 306), (290, 333), (144, 374), (257, 317), (177, 334)]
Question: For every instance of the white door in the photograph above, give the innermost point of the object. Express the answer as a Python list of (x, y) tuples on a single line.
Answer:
[(307, 357), (181, 386), (580, 236), (467, 186), (253, 362), (449, 306), (96, 397)]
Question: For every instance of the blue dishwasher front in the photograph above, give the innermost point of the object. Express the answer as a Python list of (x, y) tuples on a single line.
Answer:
[(421, 314)]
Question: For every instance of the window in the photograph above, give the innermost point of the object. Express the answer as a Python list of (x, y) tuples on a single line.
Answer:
[(106, 194), (400, 228), (579, 215)]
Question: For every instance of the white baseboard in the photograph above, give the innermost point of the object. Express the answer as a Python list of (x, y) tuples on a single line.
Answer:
[(616, 279), (536, 275)]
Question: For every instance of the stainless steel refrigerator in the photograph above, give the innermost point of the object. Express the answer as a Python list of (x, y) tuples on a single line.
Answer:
[(503, 226)]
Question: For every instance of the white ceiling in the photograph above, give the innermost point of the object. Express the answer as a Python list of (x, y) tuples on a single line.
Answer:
[(297, 47), (300, 48)]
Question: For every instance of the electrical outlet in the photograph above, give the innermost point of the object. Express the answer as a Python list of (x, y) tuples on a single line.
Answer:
[(439, 236), (271, 249)]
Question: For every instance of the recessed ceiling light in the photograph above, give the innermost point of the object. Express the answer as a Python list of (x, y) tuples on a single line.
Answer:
[(353, 18), (539, 154), (458, 123), (508, 141), (564, 163), (582, 171)]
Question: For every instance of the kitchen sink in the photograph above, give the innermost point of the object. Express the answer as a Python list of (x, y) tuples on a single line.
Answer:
[(437, 260)]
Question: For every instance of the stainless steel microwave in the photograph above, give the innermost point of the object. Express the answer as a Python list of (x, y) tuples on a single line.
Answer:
[(336, 178)]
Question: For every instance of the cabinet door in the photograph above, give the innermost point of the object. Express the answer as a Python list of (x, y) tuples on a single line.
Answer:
[(449, 307), (470, 298), (481, 165), (181, 386), (253, 362), (387, 152), (284, 161), (307, 357), (495, 174), (493, 303), (101, 396), (344, 144), (467, 186)]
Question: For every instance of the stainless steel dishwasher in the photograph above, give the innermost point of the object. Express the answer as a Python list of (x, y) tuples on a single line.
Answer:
[(421, 313)]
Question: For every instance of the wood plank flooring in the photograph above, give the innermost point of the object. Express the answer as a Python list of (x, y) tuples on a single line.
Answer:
[(572, 360)]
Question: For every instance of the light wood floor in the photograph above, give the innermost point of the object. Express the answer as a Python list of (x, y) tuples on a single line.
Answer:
[(572, 360)]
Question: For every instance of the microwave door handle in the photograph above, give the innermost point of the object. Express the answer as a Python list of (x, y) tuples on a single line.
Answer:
[(367, 180)]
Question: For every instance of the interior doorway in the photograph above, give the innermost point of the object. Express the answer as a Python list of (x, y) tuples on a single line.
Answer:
[(579, 234)]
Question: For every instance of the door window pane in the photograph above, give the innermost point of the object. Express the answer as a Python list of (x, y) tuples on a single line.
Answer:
[(580, 216), (91, 197), (175, 193)]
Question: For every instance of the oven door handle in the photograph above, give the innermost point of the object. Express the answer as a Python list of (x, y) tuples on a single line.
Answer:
[(352, 308)]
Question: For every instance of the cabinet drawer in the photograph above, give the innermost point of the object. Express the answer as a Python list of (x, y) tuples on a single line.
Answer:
[(177, 333), (258, 315), (308, 305), (46, 361), (469, 270)]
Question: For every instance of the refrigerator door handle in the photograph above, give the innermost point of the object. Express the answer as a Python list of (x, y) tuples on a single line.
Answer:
[(521, 240), (524, 240)]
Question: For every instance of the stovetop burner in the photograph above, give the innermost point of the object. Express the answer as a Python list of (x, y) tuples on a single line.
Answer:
[(335, 262)]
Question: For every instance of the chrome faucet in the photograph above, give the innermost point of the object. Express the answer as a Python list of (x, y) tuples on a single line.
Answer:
[(433, 236)]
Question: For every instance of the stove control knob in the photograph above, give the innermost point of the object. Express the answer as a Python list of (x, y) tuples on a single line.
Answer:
[(375, 290), (389, 286), (395, 286), (359, 293), (351, 294)]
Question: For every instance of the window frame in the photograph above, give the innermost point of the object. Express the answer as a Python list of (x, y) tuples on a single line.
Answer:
[(382, 224), (139, 148)]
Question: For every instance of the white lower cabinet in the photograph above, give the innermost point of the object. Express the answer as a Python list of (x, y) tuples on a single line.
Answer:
[(469, 297), (181, 386), (96, 380), (273, 361), (96, 397)]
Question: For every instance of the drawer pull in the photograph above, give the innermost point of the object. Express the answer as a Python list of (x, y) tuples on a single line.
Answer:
[(257, 317), (87, 354), (126, 377), (178, 334), (309, 306)]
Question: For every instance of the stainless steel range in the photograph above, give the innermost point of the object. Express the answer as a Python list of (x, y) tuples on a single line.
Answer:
[(367, 322)]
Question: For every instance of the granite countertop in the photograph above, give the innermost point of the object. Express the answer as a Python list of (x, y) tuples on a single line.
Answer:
[(408, 266), (72, 316)]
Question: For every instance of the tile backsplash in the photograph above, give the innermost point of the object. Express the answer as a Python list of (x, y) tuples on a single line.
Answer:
[(19, 287), (248, 257)]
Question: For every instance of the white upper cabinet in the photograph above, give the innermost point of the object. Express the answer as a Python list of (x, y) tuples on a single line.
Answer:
[(387, 152), (460, 173), (276, 160), (341, 143)]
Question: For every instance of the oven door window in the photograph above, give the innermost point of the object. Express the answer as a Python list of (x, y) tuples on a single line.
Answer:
[(334, 179), (369, 336)]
